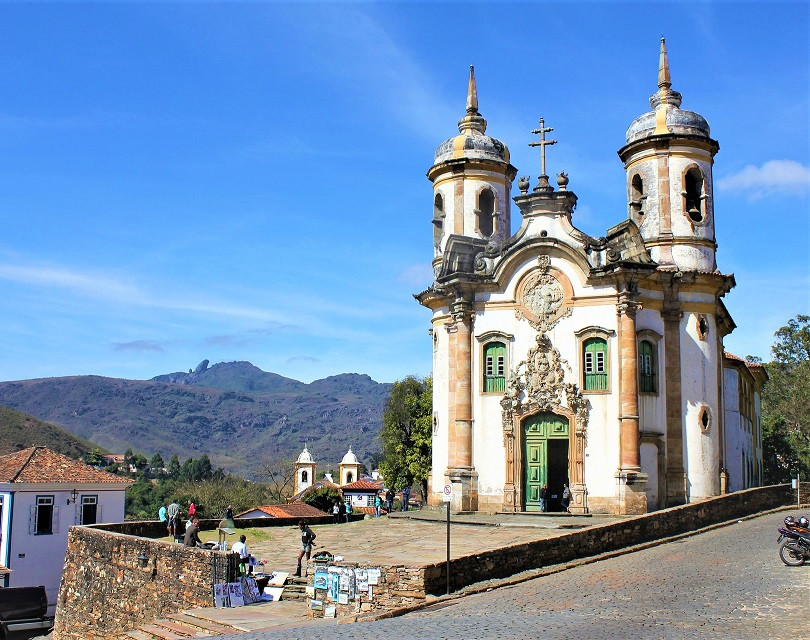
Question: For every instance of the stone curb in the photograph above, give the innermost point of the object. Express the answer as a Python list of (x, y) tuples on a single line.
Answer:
[(531, 574)]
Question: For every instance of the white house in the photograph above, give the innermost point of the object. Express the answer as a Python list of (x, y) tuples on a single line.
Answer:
[(42, 494)]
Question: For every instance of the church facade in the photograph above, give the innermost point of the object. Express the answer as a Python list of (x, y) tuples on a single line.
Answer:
[(597, 363)]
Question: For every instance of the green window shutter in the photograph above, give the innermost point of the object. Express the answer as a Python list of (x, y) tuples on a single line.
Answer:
[(647, 367), (595, 364), (494, 367)]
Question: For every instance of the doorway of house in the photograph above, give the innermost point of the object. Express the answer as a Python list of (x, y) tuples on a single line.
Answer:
[(545, 459)]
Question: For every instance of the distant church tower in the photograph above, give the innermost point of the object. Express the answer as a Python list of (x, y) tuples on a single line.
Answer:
[(349, 468), (304, 471)]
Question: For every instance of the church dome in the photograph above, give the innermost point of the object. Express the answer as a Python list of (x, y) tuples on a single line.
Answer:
[(666, 116), (349, 458), (472, 141), (305, 456)]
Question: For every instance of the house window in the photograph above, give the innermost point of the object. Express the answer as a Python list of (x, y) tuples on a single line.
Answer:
[(89, 509), (43, 524), (495, 367), (486, 210), (369, 501), (595, 364), (647, 367)]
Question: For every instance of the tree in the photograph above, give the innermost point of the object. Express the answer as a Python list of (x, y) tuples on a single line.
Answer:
[(173, 469), (406, 433), (156, 464), (323, 498), (94, 457), (280, 474), (786, 404)]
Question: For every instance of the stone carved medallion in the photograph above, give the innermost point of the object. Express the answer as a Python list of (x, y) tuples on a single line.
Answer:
[(542, 298)]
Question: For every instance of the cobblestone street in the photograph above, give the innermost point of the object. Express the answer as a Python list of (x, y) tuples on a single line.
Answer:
[(727, 583)]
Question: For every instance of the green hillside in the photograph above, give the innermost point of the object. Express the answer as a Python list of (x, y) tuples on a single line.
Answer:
[(19, 430), (236, 413)]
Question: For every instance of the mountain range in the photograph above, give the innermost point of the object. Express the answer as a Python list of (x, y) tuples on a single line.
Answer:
[(236, 413)]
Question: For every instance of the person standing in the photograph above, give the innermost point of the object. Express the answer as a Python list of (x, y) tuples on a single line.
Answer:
[(543, 497), (341, 511), (307, 538), (349, 510), (192, 509), (227, 518), (406, 496), (566, 498), (173, 512), (244, 557), (163, 514), (377, 504), (336, 512), (389, 500)]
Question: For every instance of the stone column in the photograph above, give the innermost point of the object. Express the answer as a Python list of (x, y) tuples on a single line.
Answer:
[(460, 470), (676, 476), (632, 484)]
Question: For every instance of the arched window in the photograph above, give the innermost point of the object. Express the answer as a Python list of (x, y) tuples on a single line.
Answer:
[(595, 364), (304, 476), (647, 367), (637, 196), (438, 219), (349, 477), (486, 210), (495, 367), (693, 194)]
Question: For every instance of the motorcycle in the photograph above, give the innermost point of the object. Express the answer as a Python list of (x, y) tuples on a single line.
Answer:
[(794, 537)]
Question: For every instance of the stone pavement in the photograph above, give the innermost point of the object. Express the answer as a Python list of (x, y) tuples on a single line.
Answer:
[(725, 583), (411, 538)]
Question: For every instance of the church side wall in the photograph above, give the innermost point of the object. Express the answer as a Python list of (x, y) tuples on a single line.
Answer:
[(735, 436), (441, 400), (699, 387)]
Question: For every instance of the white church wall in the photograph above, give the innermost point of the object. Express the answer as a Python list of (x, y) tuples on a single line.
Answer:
[(649, 465), (699, 388), (441, 396), (691, 257), (735, 433)]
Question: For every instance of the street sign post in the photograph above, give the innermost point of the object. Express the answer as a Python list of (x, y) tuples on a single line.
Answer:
[(447, 496)]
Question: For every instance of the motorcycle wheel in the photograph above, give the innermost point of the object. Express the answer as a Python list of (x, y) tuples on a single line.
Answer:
[(792, 553)]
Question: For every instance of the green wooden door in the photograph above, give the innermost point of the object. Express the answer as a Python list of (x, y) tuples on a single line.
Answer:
[(537, 430)]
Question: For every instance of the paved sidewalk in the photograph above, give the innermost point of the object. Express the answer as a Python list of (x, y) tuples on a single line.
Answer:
[(412, 538)]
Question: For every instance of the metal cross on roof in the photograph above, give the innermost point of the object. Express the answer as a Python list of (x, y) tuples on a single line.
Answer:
[(542, 143)]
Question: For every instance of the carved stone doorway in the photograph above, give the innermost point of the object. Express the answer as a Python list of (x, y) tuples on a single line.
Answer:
[(545, 460)]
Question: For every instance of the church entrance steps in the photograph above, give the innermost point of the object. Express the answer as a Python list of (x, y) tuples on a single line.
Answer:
[(201, 623)]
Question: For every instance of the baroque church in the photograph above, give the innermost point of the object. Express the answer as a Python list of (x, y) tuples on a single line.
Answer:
[(597, 363)]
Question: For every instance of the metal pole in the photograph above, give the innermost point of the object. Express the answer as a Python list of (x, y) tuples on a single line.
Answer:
[(798, 492), (448, 549)]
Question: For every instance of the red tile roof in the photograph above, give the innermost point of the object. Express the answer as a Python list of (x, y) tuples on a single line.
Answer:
[(38, 464), (748, 363), (362, 485), (297, 510)]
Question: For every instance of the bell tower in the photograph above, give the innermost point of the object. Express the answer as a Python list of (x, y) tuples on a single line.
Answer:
[(472, 181), (668, 159)]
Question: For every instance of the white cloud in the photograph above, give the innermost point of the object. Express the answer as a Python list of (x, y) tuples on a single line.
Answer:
[(774, 176)]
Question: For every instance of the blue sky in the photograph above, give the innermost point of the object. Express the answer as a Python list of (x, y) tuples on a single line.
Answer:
[(181, 181)]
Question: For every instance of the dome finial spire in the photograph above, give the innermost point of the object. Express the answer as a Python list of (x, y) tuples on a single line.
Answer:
[(664, 80), (472, 120), (472, 93)]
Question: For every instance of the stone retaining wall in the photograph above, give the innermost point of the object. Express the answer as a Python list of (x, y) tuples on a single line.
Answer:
[(105, 590), (401, 586), (804, 493), (508, 561)]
